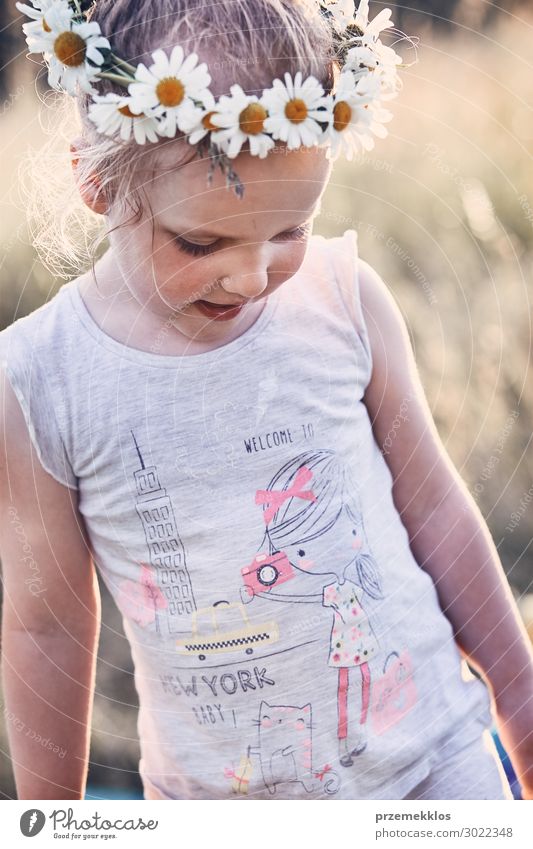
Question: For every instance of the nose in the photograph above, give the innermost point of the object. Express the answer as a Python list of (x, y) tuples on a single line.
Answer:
[(248, 284), (252, 278)]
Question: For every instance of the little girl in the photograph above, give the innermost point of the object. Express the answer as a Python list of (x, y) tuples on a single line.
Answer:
[(199, 418)]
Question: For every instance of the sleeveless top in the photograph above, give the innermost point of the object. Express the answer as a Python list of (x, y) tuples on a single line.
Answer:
[(286, 643)]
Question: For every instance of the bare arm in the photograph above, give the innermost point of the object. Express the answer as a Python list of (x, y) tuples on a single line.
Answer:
[(447, 532), (50, 619)]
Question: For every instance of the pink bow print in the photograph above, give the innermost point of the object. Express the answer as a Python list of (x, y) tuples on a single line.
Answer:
[(275, 497)]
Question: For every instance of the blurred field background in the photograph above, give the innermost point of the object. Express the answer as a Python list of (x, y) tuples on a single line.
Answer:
[(444, 212)]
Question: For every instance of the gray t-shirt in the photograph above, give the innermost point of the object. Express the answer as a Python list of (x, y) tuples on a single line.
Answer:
[(286, 643)]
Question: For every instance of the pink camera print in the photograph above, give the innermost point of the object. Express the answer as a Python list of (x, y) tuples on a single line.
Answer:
[(266, 571)]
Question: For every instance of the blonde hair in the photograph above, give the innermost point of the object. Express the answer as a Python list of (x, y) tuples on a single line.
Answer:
[(245, 41)]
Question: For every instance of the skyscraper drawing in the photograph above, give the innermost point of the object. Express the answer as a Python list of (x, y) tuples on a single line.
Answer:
[(167, 554)]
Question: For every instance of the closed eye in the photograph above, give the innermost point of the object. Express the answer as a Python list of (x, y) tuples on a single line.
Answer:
[(297, 233), (300, 232)]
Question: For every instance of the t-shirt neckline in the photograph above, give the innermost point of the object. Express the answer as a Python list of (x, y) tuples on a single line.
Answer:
[(169, 360)]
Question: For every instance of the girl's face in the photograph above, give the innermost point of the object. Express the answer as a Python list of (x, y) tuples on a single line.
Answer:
[(329, 554), (199, 242)]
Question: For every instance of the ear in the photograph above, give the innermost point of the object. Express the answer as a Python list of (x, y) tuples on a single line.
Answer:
[(90, 189)]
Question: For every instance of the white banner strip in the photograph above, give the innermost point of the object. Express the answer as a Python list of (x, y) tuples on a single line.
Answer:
[(216, 824)]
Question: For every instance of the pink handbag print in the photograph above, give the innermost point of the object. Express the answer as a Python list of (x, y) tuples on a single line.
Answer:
[(394, 694)]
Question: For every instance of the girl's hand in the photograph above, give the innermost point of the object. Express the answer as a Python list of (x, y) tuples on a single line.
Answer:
[(514, 715)]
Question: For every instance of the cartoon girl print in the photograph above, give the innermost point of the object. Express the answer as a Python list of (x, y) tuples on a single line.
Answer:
[(314, 530)]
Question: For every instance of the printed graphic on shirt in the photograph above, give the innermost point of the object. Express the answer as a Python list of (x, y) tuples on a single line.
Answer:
[(284, 753), (285, 749), (142, 600), (218, 639), (167, 554), (395, 693), (240, 776), (314, 553), (315, 533)]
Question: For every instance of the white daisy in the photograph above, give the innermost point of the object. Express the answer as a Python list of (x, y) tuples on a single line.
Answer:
[(37, 7), (361, 60), (378, 60), (371, 53), (241, 118), (379, 116), (371, 30), (72, 50), (294, 108), (169, 87), (376, 117), (196, 122), (38, 11), (388, 70), (341, 12), (351, 117), (112, 115)]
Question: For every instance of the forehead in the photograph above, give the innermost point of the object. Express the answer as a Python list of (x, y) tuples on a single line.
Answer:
[(284, 184)]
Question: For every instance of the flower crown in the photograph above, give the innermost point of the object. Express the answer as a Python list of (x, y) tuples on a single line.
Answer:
[(172, 96)]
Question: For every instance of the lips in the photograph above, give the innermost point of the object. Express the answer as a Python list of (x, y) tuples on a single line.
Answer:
[(220, 311), (214, 304)]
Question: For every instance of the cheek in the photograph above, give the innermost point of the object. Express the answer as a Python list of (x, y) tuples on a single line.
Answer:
[(286, 261), (181, 275)]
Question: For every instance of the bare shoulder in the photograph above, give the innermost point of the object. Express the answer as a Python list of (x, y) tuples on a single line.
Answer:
[(47, 567), (378, 303), (393, 364), (396, 401)]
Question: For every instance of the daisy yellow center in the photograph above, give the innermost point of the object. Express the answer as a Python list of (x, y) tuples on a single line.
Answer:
[(207, 123), (342, 115), (296, 110), (45, 26), (126, 111), (251, 119), (170, 91), (70, 49)]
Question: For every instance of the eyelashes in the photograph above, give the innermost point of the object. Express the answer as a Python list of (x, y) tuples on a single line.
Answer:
[(192, 249), (203, 250), (293, 235)]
